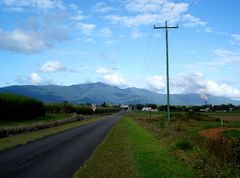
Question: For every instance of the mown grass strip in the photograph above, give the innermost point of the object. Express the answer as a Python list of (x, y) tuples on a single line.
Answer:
[(13, 141), (151, 159), (112, 158), (131, 151)]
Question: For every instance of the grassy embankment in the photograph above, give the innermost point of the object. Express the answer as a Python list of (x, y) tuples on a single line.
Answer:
[(208, 157), (131, 151), (12, 141)]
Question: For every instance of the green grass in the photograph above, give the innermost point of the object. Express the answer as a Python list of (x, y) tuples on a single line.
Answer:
[(40, 120), (13, 141), (112, 158), (231, 133), (208, 158), (131, 151)]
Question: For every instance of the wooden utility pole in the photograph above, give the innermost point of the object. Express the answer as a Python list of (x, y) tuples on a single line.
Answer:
[(166, 27)]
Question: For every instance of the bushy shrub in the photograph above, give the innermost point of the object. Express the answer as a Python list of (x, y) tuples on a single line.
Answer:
[(184, 144), (15, 107)]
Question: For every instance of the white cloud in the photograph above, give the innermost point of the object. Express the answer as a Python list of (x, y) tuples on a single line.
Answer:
[(149, 12), (105, 32), (90, 40), (144, 5), (236, 38), (86, 28), (132, 21), (41, 4), (223, 90), (109, 42), (155, 83), (102, 7), (52, 66), (78, 17), (103, 71), (137, 34), (36, 34), (35, 78), (111, 77), (197, 83), (222, 59), (22, 41), (192, 21)]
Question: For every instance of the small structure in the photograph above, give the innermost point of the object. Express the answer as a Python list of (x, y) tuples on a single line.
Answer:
[(204, 110), (94, 107), (124, 107), (146, 109)]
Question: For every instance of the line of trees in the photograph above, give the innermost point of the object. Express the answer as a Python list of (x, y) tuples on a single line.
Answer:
[(212, 108), (84, 109), (15, 107)]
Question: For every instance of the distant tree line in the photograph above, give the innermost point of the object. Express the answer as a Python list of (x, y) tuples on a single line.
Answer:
[(85, 109), (211, 108), (15, 107)]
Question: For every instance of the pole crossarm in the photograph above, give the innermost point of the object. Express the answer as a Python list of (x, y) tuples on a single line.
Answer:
[(166, 27)]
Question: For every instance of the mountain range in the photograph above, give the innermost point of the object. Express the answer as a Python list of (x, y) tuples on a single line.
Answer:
[(98, 93)]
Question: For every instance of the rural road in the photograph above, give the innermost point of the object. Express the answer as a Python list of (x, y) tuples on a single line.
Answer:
[(58, 155)]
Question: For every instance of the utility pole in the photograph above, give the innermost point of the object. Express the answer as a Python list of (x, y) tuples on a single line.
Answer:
[(166, 27)]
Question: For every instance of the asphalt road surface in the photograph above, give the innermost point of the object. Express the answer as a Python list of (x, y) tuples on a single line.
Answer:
[(58, 155)]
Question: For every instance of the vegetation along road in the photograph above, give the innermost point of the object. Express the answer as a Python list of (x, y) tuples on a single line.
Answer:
[(59, 155)]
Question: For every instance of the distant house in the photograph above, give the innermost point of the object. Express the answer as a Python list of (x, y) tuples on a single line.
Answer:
[(204, 110), (124, 107), (146, 109)]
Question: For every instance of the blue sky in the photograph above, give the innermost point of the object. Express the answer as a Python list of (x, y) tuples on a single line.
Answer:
[(67, 42)]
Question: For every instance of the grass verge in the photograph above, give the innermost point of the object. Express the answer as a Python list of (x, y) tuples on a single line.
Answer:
[(13, 141), (207, 157), (231, 133), (131, 151)]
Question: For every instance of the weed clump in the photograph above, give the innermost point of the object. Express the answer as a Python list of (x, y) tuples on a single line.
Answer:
[(184, 144)]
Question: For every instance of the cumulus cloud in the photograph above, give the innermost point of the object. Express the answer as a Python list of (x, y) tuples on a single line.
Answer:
[(235, 38), (144, 5), (156, 83), (52, 66), (86, 28), (192, 21), (105, 32), (111, 77), (222, 59), (41, 4), (102, 7), (22, 41), (197, 83), (38, 34), (34, 79), (148, 12)]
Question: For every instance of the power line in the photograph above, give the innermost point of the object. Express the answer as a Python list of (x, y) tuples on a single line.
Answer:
[(166, 27), (146, 58)]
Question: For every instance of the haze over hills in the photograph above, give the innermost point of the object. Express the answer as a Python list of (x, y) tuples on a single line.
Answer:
[(98, 93)]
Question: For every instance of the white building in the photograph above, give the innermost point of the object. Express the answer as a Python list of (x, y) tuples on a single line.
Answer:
[(146, 109)]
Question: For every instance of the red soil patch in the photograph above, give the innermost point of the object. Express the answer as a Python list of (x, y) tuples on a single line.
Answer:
[(216, 132)]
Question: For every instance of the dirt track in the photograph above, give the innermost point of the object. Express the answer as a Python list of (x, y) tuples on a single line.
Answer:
[(215, 132)]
